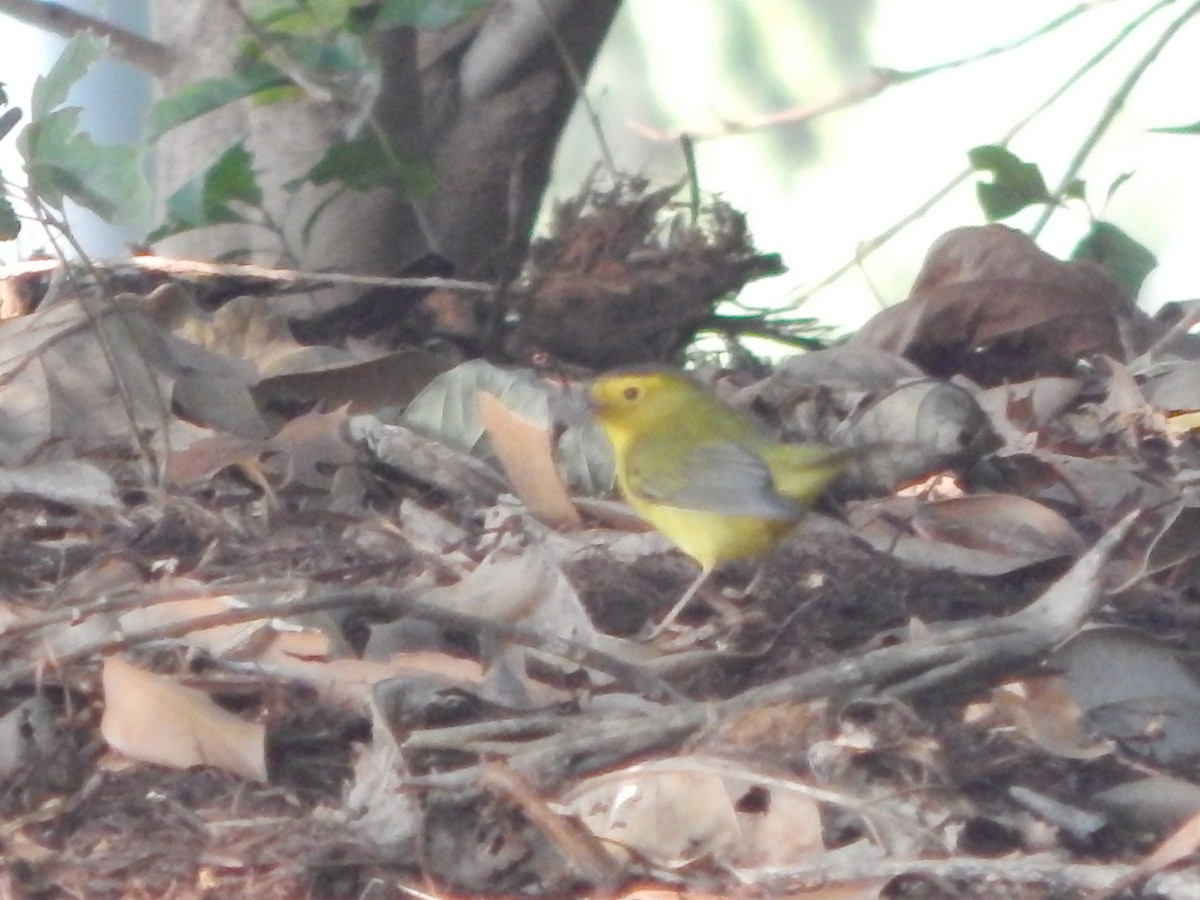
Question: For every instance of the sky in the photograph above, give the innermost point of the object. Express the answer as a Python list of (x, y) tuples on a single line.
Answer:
[(816, 194)]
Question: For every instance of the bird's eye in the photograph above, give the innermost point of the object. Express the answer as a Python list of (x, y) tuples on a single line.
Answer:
[(632, 393)]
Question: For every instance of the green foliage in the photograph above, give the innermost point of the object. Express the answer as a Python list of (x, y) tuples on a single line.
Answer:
[(61, 161), (1194, 128), (366, 163), (430, 14), (9, 120), (1015, 184), (319, 47), (1127, 260), (252, 77), (10, 225), (211, 197), (313, 47)]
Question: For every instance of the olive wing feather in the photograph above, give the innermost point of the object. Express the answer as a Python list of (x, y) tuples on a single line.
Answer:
[(717, 476)]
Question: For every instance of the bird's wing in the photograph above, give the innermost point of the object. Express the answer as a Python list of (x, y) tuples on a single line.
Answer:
[(715, 476)]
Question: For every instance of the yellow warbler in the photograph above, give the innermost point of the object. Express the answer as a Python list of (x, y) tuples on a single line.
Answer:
[(703, 473)]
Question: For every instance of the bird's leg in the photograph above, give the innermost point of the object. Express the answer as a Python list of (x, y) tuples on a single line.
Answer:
[(679, 607), (760, 571)]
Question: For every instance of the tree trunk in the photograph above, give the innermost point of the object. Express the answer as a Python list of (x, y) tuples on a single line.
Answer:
[(484, 101)]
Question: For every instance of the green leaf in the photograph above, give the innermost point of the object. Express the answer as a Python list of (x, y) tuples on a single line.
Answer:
[(10, 225), (1110, 247), (50, 90), (63, 162), (321, 57), (251, 78), (9, 120), (1015, 184), (328, 15), (1117, 182), (1194, 128), (207, 198), (364, 163), (1076, 189), (428, 14)]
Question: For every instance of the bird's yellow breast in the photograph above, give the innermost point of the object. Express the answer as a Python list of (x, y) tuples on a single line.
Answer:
[(710, 538)]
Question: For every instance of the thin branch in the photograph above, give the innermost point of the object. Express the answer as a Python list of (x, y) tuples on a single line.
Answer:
[(872, 244), (1111, 109), (879, 80), (190, 267), (1045, 871), (134, 49), (580, 85), (96, 316), (315, 599)]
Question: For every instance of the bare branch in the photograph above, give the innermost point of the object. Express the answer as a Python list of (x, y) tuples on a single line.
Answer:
[(1115, 104), (879, 80), (872, 244), (134, 49)]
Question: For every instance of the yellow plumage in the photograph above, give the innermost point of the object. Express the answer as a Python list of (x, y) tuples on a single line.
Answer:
[(703, 473)]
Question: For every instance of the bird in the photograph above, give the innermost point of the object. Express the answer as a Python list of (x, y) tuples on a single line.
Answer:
[(707, 476)]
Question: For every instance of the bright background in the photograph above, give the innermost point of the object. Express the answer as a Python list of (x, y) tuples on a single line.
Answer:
[(814, 191)]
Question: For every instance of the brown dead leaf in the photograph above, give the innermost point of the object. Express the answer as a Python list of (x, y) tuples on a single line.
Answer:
[(987, 534), (912, 430), (1181, 843), (991, 305), (526, 452), (392, 379), (1045, 712), (152, 718), (1018, 411), (314, 447), (348, 682), (243, 640), (70, 481), (1001, 523), (1134, 688), (203, 458), (58, 367), (674, 811), (1155, 803)]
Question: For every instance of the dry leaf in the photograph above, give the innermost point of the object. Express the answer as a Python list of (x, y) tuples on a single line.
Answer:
[(991, 305), (981, 535), (152, 718), (527, 454), (1045, 713), (674, 811)]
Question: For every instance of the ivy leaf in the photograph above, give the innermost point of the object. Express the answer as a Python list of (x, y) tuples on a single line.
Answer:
[(1126, 259), (252, 77), (1117, 182), (1076, 189), (10, 225), (9, 120), (61, 161), (1015, 183), (329, 15), (364, 163), (50, 90), (207, 199), (426, 14)]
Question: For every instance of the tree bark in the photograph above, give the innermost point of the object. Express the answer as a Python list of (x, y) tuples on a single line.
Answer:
[(484, 101)]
